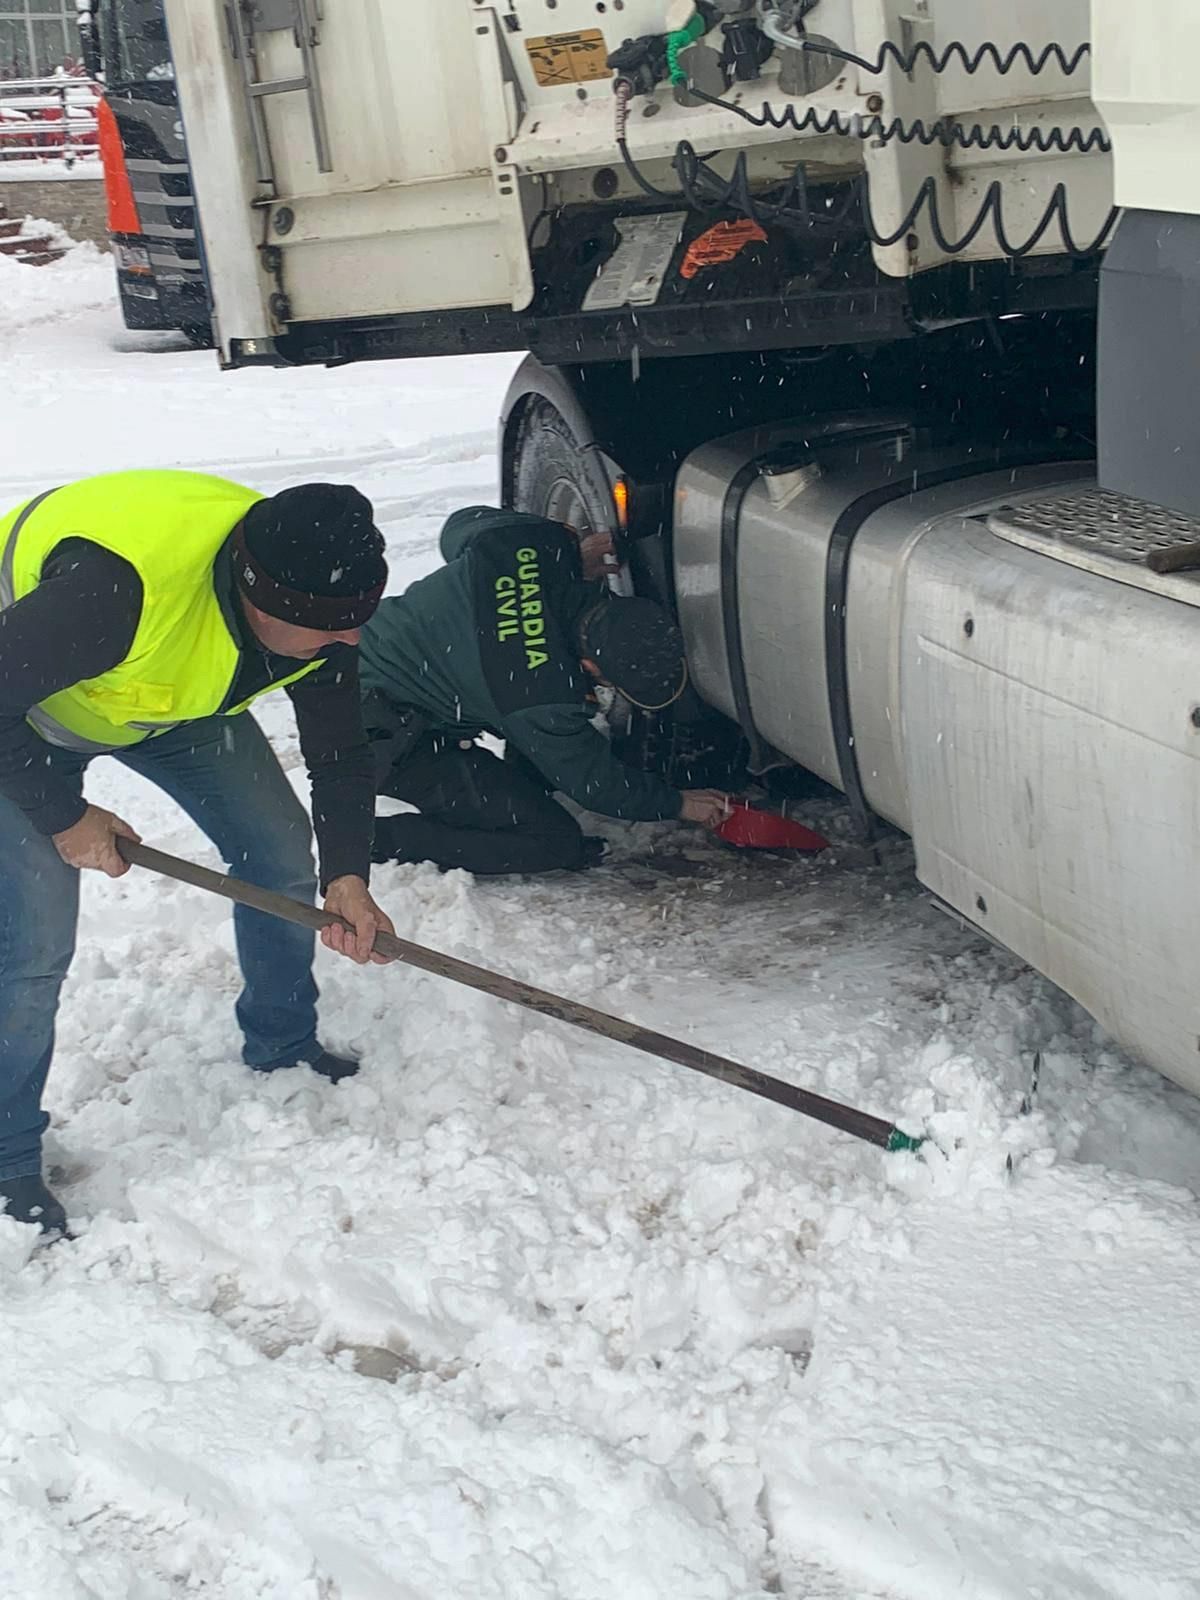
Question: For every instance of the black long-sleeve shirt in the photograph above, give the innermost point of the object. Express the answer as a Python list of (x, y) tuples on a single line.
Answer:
[(81, 620)]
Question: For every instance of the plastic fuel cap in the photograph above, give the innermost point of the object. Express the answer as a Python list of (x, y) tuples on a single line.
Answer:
[(752, 829)]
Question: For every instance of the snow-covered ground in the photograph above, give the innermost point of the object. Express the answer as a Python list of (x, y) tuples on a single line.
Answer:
[(36, 170), (517, 1315)]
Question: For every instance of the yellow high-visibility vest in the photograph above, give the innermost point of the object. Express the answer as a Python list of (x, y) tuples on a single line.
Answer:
[(181, 666)]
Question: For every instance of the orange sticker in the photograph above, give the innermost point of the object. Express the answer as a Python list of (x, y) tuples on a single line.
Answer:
[(720, 244), (562, 59)]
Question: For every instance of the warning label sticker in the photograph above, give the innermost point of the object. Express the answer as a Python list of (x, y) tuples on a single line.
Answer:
[(561, 59)]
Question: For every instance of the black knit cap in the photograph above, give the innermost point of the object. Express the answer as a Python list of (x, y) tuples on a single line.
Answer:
[(312, 556), (638, 649)]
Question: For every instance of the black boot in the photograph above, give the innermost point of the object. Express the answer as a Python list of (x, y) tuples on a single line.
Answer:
[(335, 1068), (323, 1062), (29, 1200)]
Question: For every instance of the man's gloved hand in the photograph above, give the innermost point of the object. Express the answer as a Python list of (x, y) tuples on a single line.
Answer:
[(92, 842), (350, 898), (708, 807)]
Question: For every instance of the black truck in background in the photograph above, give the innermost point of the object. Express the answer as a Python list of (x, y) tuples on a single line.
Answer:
[(151, 207)]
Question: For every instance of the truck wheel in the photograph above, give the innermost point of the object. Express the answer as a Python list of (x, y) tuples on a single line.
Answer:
[(552, 477)]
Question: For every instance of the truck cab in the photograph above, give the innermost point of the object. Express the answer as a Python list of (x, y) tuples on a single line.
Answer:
[(151, 208)]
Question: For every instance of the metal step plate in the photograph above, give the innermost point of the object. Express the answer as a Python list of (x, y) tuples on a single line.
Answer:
[(1108, 534)]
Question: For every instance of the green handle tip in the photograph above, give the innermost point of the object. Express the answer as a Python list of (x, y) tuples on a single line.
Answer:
[(898, 1140)]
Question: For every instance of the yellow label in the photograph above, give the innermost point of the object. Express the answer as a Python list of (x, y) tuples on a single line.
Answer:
[(561, 59)]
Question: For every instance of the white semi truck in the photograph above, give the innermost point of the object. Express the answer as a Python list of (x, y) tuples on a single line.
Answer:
[(832, 317)]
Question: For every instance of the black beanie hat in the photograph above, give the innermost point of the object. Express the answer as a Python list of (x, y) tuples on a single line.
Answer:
[(312, 556), (638, 649)]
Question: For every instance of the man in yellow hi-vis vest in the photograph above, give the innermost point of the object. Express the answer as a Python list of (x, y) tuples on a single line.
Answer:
[(140, 612)]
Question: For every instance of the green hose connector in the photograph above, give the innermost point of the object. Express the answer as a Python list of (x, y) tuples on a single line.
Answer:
[(679, 40), (904, 1141)]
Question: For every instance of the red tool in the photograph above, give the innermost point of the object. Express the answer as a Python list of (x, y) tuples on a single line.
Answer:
[(751, 829)]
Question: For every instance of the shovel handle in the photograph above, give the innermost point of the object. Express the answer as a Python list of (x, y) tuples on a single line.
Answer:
[(861, 1124), (267, 901), (244, 894)]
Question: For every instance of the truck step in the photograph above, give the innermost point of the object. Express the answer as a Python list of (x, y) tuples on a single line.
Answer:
[(1113, 535)]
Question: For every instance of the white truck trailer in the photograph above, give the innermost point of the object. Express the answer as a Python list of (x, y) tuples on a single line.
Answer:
[(832, 317)]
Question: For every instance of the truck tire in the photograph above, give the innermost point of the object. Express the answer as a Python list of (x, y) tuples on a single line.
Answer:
[(552, 477)]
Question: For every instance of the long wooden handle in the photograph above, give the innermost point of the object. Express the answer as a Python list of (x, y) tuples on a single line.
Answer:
[(1174, 558), (850, 1120)]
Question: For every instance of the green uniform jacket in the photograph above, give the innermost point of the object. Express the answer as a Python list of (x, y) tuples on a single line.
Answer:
[(488, 643)]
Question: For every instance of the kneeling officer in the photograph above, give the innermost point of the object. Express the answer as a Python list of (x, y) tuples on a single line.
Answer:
[(509, 638)]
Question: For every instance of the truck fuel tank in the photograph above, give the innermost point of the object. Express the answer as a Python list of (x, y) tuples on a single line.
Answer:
[(984, 658), (790, 545)]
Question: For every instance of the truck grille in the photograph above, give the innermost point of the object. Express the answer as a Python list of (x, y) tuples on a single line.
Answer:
[(167, 210)]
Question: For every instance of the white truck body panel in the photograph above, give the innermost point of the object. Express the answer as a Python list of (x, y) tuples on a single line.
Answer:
[(450, 123), (1054, 774), (1147, 60), (223, 177)]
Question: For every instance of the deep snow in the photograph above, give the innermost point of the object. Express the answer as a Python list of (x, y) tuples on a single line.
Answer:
[(516, 1313)]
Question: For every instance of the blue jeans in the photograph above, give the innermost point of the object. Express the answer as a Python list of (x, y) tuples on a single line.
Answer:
[(224, 774)]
